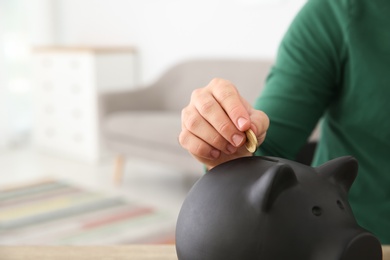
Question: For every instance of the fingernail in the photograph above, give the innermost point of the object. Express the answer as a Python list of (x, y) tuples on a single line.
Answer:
[(237, 139), (215, 153), (241, 122)]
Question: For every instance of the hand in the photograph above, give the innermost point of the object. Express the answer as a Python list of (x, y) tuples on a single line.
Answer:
[(215, 121)]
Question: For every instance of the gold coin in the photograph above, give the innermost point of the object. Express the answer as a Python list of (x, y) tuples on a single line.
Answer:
[(251, 141)]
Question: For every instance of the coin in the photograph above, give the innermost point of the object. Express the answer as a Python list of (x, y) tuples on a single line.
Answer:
[(251, 141)]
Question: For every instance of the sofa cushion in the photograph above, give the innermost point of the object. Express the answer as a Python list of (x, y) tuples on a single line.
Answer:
[(145, 128)]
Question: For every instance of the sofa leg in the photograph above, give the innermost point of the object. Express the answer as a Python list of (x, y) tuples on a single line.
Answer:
[(118, 170)]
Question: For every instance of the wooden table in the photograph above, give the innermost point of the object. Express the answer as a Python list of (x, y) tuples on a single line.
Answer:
[(128, 252)]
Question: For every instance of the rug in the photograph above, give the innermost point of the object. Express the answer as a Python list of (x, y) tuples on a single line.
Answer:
[(54, 212)]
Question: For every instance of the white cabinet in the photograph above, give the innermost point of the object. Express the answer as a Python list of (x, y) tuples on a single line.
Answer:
[(67, 81)]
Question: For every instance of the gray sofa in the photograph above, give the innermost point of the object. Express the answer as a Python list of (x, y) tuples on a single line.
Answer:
[(146, 122)]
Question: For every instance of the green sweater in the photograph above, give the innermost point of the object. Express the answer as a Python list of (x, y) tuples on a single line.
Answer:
[(334, 64)]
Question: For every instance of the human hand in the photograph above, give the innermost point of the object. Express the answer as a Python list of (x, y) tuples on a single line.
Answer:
[(215, 121)]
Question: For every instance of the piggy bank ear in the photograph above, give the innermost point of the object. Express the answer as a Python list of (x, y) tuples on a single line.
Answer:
[(270, 185), (342, 171)]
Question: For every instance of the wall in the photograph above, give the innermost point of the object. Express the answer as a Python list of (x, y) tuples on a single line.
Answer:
[(3, 114), (164, 32), (168, 31)]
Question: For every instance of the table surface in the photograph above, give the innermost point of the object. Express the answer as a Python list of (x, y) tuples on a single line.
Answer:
[(128, 252)]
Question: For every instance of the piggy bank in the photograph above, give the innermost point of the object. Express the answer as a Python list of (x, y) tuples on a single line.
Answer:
[(268, 208)]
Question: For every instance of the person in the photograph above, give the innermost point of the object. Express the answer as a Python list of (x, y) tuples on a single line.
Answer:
[(332, 67)]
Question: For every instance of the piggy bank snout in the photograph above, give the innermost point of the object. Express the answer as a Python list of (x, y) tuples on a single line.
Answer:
[(363, 246)]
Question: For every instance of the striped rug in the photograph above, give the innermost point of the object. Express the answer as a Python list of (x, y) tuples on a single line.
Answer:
[(54, 212)]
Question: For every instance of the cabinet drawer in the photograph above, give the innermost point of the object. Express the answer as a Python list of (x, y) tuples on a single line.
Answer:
[(66, 85)]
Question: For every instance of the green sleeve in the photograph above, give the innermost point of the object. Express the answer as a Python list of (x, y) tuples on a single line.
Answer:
[(305, 77)]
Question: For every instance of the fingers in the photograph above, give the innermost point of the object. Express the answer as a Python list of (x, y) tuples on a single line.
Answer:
[(213, 114), (259, 124), (205, 153), (193, 123), (198, 147), (226, 94), (215, 121)]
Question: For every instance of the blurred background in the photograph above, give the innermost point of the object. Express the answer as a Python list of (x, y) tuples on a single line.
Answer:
[(90, 47)]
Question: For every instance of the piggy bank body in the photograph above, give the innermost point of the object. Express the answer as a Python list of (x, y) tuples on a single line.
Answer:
[(268, 208)]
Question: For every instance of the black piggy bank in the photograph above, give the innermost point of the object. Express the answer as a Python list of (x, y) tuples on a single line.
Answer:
[(268, 208)]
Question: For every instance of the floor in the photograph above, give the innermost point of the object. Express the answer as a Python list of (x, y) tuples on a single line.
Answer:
[(144, 182)]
